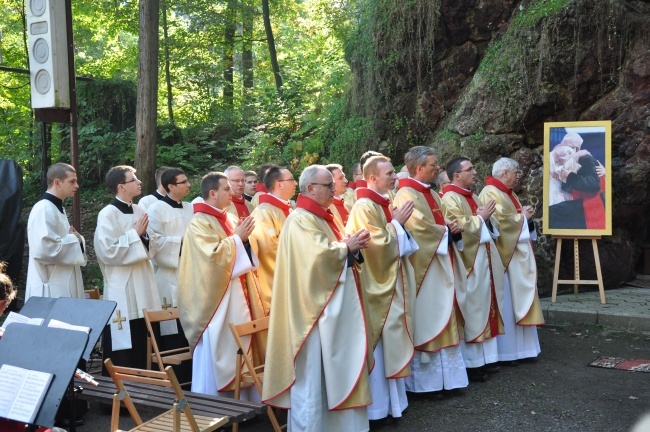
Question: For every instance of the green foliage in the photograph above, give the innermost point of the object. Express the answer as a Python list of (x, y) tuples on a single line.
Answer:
[(530, 14)]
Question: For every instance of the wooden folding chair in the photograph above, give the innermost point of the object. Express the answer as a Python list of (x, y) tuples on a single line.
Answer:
[(168, 421), (169, 357), (92, 294), (246, 371)]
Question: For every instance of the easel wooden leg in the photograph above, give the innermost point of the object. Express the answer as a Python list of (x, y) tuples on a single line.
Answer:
[(599, 274), (576, 265), (556, 273)]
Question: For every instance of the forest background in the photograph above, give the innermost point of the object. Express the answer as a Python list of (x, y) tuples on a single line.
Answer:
[(297, 82)]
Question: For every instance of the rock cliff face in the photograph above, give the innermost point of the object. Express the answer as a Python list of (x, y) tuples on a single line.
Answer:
[(480, 77)]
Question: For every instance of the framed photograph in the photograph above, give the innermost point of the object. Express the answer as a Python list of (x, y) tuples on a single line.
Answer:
[(577, 179)]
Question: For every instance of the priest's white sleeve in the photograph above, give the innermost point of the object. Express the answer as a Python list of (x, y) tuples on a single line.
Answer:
[(407, 244), (242, 263), (48, 243), (116, 249), (168, 246)]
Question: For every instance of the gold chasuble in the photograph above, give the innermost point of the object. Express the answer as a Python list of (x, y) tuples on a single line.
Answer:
[(482, 264), (518, 257), (387, 280), (438, 269), (205, 277), (240, 207), (269, 216), (314, 286)]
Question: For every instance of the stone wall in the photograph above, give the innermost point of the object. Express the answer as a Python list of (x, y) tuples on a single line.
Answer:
[(493, 71)]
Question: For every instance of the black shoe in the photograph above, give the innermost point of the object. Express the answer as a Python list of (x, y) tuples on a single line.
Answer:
[(491, 368), (436, 395), (65, 423), (380, 423), (476, 375), (512, 363)]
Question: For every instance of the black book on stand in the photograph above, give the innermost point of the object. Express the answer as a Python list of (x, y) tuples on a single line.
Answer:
[(52, 350)]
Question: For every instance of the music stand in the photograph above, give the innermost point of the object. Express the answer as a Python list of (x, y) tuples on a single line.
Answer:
[(84, 312), (53, 350), (76, 311)]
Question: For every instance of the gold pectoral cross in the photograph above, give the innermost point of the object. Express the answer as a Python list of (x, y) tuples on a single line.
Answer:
[(165, 305), (118, 319)]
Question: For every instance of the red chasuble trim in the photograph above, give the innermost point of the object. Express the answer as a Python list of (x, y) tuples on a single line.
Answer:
[(274, 201), (312, 206), (221, 217), (260, 188), (240, 205), (378, 199), (491, 181), (468, 194), (342, 209), (427, 192)]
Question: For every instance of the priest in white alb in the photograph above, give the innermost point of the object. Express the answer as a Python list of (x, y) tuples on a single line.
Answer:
[(438, 362), (318, 358), (216, 286), (56, 250), (481, 299), (521, 312), (156, 195), (388, 283), (124, 250)]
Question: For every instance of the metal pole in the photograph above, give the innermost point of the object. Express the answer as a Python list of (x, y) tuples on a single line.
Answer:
[(45, 160), (74, 135)]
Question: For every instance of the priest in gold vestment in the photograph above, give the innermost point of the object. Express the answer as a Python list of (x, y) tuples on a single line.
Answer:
[(438, 362), (216, 286), (388, 282), (239, 205), (522, 312), (481, 299), (318, 361), (269, 216), (343, 200)]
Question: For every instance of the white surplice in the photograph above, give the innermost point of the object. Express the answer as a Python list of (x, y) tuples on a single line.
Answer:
[(128, 275), (55, 255)]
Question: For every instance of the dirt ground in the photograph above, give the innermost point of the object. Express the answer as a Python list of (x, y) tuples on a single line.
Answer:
[(558, 392)]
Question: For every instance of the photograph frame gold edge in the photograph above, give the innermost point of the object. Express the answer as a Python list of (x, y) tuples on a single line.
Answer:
[(607, 124)]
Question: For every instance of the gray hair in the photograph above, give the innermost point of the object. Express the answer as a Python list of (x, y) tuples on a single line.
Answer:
[(307, 176), (231, 168), (416, 157), (572, 138), (503, 164), (442, 178)]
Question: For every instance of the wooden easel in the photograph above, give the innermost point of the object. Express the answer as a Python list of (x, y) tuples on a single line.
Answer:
[(576, 272)]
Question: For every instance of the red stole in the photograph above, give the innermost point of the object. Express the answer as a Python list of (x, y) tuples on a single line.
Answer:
[(360, 184), (426, 191), (342, 209), (240, 205), (593, 206), (222, 217), (491, 181), (313, 207), (352, 185), (378, 199), (274, 201), (259, 187), (469, 196)]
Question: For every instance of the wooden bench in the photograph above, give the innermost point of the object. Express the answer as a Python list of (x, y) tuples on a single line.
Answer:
[(162, 398)]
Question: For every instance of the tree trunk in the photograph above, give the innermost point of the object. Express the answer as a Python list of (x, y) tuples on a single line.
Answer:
[(272, 53), (247, 49), (168, 78), (229, 54), (146, 109)]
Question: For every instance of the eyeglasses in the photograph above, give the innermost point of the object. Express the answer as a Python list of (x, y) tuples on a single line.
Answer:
[(183, 182), (237, 181), (291, 180), (133, 180), (433, 165), (469, 169), (329, 185)]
